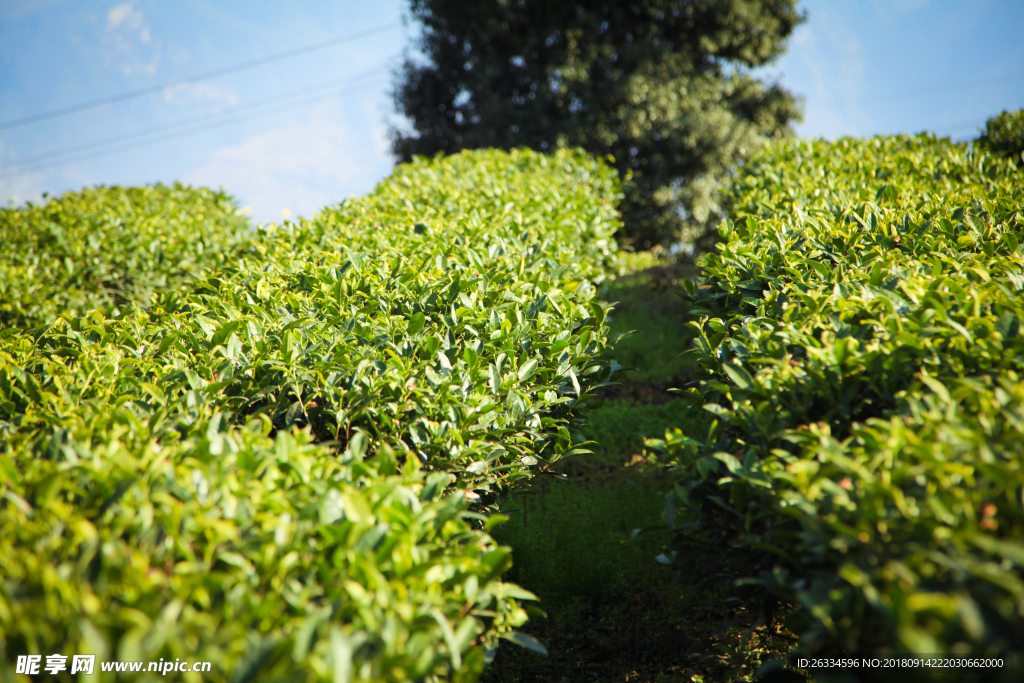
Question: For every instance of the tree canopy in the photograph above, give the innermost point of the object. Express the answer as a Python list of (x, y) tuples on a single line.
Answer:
[(1004, 136), (661, 86)]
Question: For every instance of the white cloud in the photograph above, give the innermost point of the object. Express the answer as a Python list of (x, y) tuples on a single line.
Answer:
[(130, 41), (116, 15), (309, 162), (177, 53), (124, 15)]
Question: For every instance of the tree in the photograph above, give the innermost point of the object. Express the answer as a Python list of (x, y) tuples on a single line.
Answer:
[(1004, 136), (661, 86)]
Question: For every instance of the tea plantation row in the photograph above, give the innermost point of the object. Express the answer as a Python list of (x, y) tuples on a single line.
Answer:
[(862, 328), (270, 466), (103, 248)]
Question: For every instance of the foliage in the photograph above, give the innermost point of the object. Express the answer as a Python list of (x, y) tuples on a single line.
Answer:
[(648, 325), (661, 86), (165, 460), (1004, 136), (253, 553), (861, 326), (110, 248)]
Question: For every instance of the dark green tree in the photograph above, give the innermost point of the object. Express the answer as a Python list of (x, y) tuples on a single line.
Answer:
[(662, 86), (1004, 136)]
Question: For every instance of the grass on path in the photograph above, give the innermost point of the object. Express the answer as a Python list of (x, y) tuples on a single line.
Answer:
[(611, 611)]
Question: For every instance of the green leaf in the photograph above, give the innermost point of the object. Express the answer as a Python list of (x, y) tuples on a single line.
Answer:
[(341, 656), (937, 387), (449, 638), (731, 462), (442, 359), (234, 347), (575, 381), (225, 331), (738, 375), (525, 641), (1008, 326), (527, 369), (304, 638), (416, 323)]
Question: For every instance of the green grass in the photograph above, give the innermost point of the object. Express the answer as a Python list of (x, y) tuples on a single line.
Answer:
[(619, 427), (573, 535), (613, 612), (574, 538), (647, 306)]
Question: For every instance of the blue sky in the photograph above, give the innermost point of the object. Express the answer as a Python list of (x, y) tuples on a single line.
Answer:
[(296, 133), (892, 66)]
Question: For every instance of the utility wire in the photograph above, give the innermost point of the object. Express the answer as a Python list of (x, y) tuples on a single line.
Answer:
[(976, 121), (28, 162), (241, 66), (198, 128)]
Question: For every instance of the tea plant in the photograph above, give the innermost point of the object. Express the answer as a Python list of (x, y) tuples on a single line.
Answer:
[(237, 470), (110, 248), (861, 331)]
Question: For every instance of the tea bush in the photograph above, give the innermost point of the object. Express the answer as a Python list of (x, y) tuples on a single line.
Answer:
[(237, 472), (862, 329), (109, 248)]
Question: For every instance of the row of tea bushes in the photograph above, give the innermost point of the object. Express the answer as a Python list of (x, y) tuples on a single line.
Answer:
[(272, 558), (236, 472), (108, 248), (862, 329)]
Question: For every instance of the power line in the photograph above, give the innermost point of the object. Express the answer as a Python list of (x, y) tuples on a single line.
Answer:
[(21, 170), (976, 121), (230, 118), (241, 66), (28, 163)]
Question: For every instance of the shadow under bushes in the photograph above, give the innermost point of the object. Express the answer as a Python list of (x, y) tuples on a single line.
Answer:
[(609, 610)]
